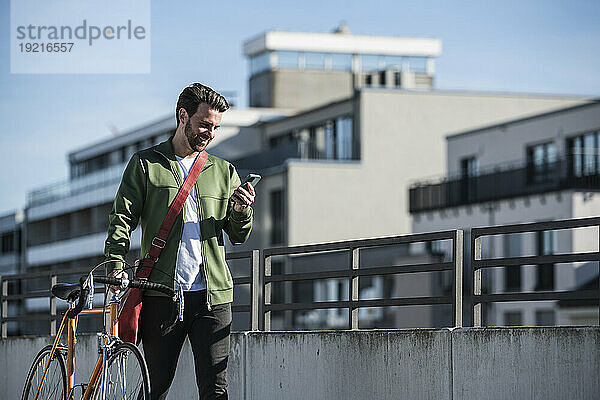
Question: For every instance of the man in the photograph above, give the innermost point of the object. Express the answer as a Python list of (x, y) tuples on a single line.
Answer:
[(194, 253)]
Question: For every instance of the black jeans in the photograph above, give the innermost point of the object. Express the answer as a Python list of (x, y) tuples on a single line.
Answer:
[(208, 332)]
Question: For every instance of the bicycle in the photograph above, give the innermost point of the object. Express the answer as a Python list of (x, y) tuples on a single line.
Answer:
[(120, 370)]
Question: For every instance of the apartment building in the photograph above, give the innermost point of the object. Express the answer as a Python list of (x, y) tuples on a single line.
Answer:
[(543, 167)]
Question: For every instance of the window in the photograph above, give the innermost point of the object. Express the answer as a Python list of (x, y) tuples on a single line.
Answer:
[(344, 136), (382, 80), (545, 318), (341, 62), (546, 245), (541, 162), (369, 62), (331, 140), (8, 243), (277, 217), (314, 60), (468, 172), (512, 274), (513, 318), (260, 63), (584, 154), (288, 59), (316, 143)]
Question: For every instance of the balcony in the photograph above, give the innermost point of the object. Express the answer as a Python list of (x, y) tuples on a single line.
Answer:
[(498, 183), (63, 189)]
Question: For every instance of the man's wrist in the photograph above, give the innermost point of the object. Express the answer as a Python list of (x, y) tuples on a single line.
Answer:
[(239, 208)]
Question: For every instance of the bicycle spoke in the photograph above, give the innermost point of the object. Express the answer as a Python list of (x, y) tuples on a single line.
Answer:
[(54, 381), (125, 375)]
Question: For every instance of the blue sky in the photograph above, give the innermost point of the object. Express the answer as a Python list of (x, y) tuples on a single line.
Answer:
[(515, 46)]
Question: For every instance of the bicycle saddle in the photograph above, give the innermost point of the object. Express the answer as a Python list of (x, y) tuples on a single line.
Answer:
[(66, 291)]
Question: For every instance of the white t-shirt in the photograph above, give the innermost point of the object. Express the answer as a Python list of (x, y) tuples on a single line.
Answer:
[(190, 271)]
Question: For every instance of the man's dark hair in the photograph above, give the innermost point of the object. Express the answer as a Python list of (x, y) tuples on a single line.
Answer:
[(191, 97)]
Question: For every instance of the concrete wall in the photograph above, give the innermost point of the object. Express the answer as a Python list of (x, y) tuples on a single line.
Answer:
[(492, 363), (299, 88)]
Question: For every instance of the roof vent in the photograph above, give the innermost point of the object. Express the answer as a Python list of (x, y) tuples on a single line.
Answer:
[(342, 28)]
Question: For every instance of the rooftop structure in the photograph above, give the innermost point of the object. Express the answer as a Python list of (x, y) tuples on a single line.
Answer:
[(305, 69)]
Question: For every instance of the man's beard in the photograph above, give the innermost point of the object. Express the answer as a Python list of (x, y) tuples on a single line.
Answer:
[(196, 142)]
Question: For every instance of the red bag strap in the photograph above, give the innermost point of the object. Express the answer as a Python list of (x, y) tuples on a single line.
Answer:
[(160, 240)]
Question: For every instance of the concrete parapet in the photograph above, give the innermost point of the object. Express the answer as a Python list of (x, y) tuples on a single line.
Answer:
[(467, 363), (526, 363)]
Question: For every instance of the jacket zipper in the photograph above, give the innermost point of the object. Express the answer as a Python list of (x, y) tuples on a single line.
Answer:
[(208, 306)]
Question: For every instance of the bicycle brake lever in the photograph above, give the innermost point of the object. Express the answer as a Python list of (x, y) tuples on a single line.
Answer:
[(90, 297)]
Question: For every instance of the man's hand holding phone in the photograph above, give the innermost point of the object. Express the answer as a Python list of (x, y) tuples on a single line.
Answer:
[(243, 196)]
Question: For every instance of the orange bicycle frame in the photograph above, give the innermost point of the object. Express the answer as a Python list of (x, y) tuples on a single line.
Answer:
[(71, 330)]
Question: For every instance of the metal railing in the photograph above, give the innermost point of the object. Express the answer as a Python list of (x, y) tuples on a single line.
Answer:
[(261, 306), (52, 277), (478, 264), (497, 184), (353, 272), (252, 280)]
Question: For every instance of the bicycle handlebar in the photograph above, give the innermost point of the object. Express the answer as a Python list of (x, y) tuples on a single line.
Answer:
[(108, 280)]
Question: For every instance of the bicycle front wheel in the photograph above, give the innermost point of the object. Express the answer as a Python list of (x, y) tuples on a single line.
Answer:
[(54, 385), (126, 375)]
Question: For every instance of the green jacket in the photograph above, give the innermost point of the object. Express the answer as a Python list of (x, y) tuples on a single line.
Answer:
[(148, 187)]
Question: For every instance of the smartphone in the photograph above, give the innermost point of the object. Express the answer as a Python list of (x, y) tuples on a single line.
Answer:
[(252, 179)]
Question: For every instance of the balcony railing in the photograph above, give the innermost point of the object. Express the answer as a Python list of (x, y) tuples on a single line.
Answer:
[(497, 184), (72, 187)]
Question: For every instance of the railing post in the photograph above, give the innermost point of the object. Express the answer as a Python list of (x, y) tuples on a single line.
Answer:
[(476, 255), (255, 290), (53, 281), (353, 310), (599, 274), (4, 308), (457, 287), (267, 294)]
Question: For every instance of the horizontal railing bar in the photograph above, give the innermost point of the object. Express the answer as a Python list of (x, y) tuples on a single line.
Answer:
[(242, 308), (245, 280), (238, 255), (345, 273), (409, 268), (412, 301), (536, 226), (536, 260), (46, 317), (34, 295), (38, 274), (565, 295), (363, 243)]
